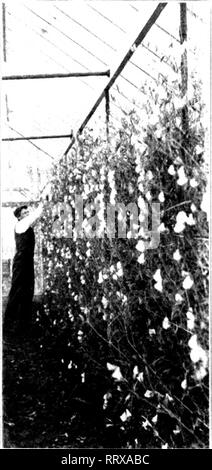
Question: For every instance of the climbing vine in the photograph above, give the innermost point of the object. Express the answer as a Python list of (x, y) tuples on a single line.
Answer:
[(130, 316)]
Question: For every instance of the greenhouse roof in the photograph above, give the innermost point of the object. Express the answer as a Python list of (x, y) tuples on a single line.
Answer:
[(78, 37)]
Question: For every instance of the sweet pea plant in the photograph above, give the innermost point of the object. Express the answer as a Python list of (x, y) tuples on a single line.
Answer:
[(129, 318)]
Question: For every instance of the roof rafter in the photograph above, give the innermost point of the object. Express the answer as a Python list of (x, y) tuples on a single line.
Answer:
[(158, 10)]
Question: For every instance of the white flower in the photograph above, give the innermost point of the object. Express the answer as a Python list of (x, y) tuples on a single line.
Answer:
[(148, 394), (141, 259), (112, 268), (138, 168), (135, 372), (100, 278), (178, 228), (171, 170), (177, 256), (161, 197), (166, 323), (141, 176), (178, 297), (125, 415), (181, 217), (165, 446), (83, 377), (201, 373), (149, 175), (184, 384), (193, 183), (195, 355), (193, 342), (106, 397), (182, 176), (115, 277), (197, 352), (111, 366), (158, 286), (161, 228), (120, 269), (120, 272), (152, 331), (190, 220), (148, 196), (140, 377), (111, 176), (199, 149), (168, 397), (140, 246), (142, 204), (177, 430), (117, 374), (141, 187), (157, 276), (146, 424), (178, 161), (154, 419), (193, 207), (104, 302), (124, 299), (188, 282), (190, 319), (112, 197)]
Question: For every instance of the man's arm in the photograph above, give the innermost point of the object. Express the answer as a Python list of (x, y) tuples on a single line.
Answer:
[(29, 220)]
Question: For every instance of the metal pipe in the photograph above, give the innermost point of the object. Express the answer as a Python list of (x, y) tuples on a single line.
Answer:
[(38, 137), (57, 75), (121, 66)]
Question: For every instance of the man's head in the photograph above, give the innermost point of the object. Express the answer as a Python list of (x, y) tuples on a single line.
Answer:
[(21, 212)]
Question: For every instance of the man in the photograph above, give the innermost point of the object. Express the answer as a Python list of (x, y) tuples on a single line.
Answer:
[(19, 307)]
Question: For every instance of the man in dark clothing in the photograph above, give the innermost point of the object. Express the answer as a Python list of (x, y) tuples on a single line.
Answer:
[(19, 307)]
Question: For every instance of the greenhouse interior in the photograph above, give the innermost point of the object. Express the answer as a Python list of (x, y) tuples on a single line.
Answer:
[(105, 124)]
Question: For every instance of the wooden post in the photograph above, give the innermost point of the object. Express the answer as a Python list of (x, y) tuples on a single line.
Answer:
[(184, 65), (4, 31), (107, 110)]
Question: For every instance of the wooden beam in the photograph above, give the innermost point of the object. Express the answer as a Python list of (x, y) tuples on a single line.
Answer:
[(121, 66)]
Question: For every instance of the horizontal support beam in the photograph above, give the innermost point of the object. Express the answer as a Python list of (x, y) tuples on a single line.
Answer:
[(38, 137), (57, 75), (158, 10)]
